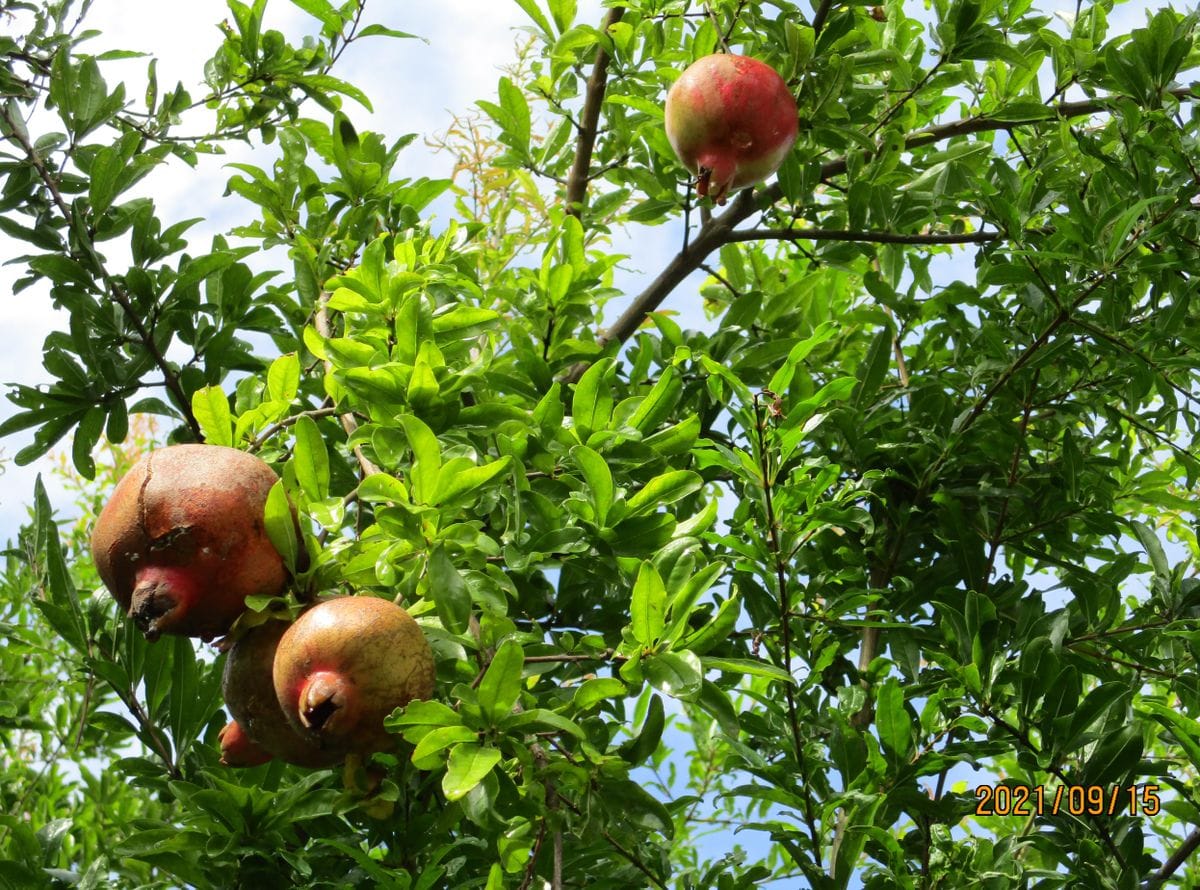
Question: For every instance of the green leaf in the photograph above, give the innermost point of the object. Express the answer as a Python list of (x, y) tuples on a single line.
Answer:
[(657, 405), (717, 630), (531, 9), (210, 406), (448, 591), (383, 488), (591, 692), (598, 478), (592, 402), (425, 713), (745, 666), (310, 459), (281, 526), (1153, 547), (715, 701), (638, 807), (874, 369), (427, 458), (665, 489), (426, 753), (516, 114), (1115, 757), (541, 720), (895, 727), (460, 487), (283, 378), (685, 599), (564, 13), (640, 748), (678, 674), (648, 606), (501, 683), (322, 10), (469, 763), (1184, 729)]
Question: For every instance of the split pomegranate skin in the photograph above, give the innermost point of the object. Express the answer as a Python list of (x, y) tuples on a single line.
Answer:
[(732, 121), (181, 543)]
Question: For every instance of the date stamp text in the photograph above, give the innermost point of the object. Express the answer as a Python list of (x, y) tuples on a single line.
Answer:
[(1074, 800)]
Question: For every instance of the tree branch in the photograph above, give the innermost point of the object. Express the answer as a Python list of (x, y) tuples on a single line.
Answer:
[(577, 180), (1178, 858), (719, 230), (785, 619), (822, 14)]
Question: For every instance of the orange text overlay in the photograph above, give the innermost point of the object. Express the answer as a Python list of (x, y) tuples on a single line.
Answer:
[(1074, 800)]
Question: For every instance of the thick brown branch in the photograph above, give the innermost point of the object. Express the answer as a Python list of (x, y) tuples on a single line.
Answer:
[(577, 181), (1178, 858)]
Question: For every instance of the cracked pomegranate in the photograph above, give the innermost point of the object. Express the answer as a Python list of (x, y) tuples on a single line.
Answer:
[(249, 691), (181, 542), (732, 121), (345, 665)]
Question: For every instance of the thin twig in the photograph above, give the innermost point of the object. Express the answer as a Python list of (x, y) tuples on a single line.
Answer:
[(785, 621)]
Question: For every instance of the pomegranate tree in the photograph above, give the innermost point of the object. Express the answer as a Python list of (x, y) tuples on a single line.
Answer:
[(732, 121), (181, 543), (346, 664)]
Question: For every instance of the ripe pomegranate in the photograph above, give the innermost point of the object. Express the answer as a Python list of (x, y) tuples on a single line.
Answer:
[(732, 121), (249, 691), (347, 663), (181, 543), (238, 749)]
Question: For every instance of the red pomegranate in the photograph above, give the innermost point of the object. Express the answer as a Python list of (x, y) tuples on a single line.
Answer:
[(238, 749), (345, 665), (181, 543), (249, 690), (732, 121)]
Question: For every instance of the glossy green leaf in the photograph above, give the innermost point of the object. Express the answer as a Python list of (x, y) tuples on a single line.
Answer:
[(468, 765), (210, 407), (501, 683)]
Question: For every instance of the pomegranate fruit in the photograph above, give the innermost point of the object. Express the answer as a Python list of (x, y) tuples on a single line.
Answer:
[(249, 691), (181, 543), (346, 664), (238, 749), (732, 121)]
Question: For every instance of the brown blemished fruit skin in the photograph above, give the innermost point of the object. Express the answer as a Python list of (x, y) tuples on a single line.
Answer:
[(181, 542), (238, 749), (732, 121), (345, 665), (249, 691)]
